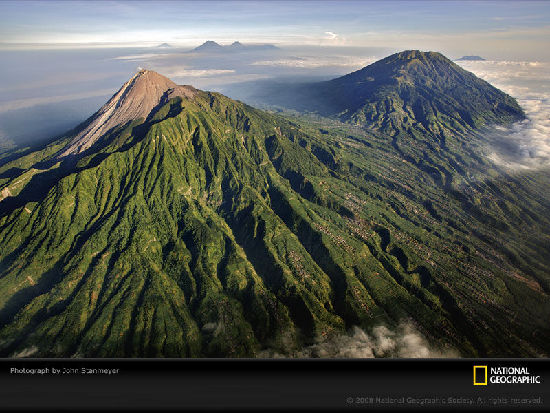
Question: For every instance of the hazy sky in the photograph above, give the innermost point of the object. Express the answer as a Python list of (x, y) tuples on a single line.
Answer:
[(62, 60), (511, 28)]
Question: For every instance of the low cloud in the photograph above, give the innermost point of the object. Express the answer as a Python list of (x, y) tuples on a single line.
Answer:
[(143, 56), (505, 73), (60, 79), (526, 144), (405, 341), (27, 103), (198, 72), (315, 61), (220, 82)]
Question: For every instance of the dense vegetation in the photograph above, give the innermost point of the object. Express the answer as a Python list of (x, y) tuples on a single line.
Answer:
[(407, 92), (215, 229)]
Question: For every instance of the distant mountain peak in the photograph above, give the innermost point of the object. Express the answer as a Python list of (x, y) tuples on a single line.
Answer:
[(418, 89), (471, 58), (211, 43), (134, 100), (164, 46), (409, 91), (211, 46)]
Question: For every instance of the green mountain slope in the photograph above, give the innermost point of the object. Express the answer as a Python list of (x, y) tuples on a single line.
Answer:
[(210, 228), (408, 91), (420, 90)]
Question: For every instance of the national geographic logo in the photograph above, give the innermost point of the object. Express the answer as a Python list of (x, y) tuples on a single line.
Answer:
[(480, 375), (504, 375)]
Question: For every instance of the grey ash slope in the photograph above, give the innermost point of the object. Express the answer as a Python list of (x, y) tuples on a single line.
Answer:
[(209, 228), (134, 100)]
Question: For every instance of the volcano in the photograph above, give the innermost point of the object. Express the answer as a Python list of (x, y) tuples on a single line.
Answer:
[(181, 223), (417, 89), (134, 100)]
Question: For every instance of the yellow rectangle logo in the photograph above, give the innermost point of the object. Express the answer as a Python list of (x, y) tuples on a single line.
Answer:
[(480, 375)]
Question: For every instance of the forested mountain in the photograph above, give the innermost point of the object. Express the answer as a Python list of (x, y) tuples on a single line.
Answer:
[(177, 222)]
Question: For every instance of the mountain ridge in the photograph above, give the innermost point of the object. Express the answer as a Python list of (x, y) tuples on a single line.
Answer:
[(406, 90), (135, 99), (213, 47), (471, 58), (209, 228)]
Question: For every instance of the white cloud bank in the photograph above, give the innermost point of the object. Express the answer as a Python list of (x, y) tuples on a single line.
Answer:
[(29, 102), (528, 141), (403, 342), (198, 72), (316, 61), (526, 144), (143, 56)]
